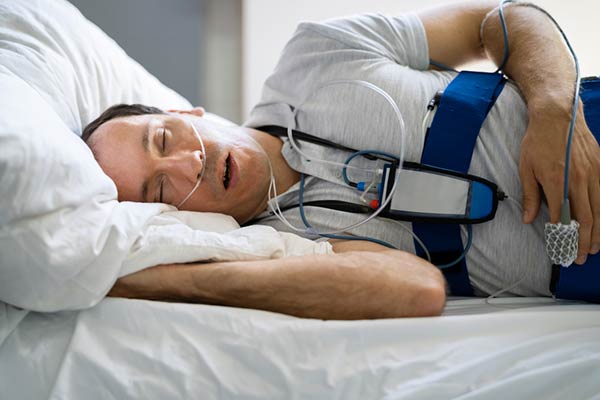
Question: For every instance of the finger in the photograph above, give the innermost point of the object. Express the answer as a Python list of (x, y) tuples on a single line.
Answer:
[(582, 212), (553, 190), (531, 193), (199, 111), (595, 202)]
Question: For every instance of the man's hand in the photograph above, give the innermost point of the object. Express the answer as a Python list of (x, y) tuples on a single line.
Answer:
[(542, 166), (542, 67)]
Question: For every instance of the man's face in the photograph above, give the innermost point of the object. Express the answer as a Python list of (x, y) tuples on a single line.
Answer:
[(158, 158)]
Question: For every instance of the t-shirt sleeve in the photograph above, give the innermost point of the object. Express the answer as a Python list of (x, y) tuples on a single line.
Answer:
[(401, 39)]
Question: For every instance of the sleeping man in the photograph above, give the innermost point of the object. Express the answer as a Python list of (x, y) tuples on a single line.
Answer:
[(187, 160)]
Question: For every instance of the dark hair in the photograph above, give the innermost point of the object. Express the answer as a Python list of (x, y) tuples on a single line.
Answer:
[(116, 111)]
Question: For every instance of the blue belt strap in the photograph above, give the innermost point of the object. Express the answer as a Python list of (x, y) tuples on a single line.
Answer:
[(582, 282), (449, 144)]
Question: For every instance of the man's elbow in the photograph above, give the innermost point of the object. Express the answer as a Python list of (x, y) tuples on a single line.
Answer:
[(430, 298), (424, 298), (432, 301), (418, 288)]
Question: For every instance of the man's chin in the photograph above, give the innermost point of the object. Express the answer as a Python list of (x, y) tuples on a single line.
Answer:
[(247, 216)]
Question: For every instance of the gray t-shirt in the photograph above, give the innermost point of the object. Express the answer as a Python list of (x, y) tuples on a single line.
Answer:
[(392, 53)]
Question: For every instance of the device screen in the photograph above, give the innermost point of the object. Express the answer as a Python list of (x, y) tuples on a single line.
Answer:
[(427, 192)]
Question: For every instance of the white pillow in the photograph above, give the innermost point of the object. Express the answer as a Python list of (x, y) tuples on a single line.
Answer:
[(64, 239)]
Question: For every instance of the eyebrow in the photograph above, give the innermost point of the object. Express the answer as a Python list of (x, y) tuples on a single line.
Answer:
[(146, 147)]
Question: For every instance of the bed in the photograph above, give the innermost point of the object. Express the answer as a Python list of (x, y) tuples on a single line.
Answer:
[(64, 240), (526, 348)]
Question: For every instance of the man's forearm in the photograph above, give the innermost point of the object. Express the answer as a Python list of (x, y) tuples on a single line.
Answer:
[(353, 285)]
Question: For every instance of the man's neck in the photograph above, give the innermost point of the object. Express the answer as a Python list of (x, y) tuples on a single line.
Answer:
[(285, 176)]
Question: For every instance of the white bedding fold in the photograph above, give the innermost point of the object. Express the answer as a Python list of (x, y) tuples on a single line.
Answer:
[(125, 349), (181, 237)]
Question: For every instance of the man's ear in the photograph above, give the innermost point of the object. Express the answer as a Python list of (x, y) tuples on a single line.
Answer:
[(197, 111)]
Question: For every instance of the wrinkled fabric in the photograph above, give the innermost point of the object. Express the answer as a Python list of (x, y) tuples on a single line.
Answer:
[(64, 238), (521, 348)]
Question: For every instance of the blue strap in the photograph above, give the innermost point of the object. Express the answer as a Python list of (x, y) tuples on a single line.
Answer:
[(590, 95), (450, 144), (583, 282)]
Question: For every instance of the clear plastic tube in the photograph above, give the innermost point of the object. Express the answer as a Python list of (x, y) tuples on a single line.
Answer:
[(291, 126), (201, 175)]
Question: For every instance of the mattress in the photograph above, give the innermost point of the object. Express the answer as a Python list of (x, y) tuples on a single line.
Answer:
[(517, 348)]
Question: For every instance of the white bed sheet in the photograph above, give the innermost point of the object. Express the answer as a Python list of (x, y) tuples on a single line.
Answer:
[(518, 349)]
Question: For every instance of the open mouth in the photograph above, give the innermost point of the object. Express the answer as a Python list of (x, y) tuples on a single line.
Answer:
[(227, 172)]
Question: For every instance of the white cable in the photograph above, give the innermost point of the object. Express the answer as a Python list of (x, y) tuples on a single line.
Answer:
[(366, 191), (513, 285), (278, 213), (369, 85), (499, 292), (272, 195), (414, 235), (425, 123), (201, 172), (291, 122), (511, 198)]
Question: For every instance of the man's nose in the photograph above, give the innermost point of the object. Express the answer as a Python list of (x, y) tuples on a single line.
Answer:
[(186, 166)]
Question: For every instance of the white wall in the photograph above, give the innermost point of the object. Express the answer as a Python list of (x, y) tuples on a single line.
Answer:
[(268, 24)]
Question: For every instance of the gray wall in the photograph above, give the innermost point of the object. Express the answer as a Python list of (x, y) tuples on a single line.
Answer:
[(192, 46)]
